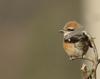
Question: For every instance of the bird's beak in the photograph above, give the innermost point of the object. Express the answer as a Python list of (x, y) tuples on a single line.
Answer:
[(61, 31)]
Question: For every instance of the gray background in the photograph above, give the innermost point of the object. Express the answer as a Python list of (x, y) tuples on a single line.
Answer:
[(30, 44)]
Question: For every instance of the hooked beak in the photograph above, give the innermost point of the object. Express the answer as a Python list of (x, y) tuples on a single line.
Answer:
[(61, 31)]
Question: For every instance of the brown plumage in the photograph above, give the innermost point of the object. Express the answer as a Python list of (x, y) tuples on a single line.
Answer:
[(71, 25)]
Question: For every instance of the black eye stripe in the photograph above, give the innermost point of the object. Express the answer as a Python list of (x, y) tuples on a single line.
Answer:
[(70, 29)]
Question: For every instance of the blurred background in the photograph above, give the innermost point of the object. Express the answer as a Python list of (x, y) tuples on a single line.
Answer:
[(30, 42)]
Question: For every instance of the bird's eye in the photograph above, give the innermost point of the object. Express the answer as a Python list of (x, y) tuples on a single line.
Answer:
[(70, 29)]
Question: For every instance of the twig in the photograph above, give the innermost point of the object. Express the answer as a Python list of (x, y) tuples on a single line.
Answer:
[(90, 73)]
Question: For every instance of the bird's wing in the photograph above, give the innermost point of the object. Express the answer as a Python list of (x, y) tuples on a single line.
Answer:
[(90, 41)]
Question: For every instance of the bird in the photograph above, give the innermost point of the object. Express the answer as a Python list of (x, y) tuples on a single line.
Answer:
[(76, 41)]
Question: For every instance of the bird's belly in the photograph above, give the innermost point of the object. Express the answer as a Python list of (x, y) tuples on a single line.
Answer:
[(71, 50)]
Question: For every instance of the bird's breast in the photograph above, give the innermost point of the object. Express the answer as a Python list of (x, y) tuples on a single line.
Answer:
[(69, 48)]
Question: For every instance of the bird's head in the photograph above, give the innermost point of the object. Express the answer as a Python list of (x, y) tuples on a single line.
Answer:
[(70, 27)]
